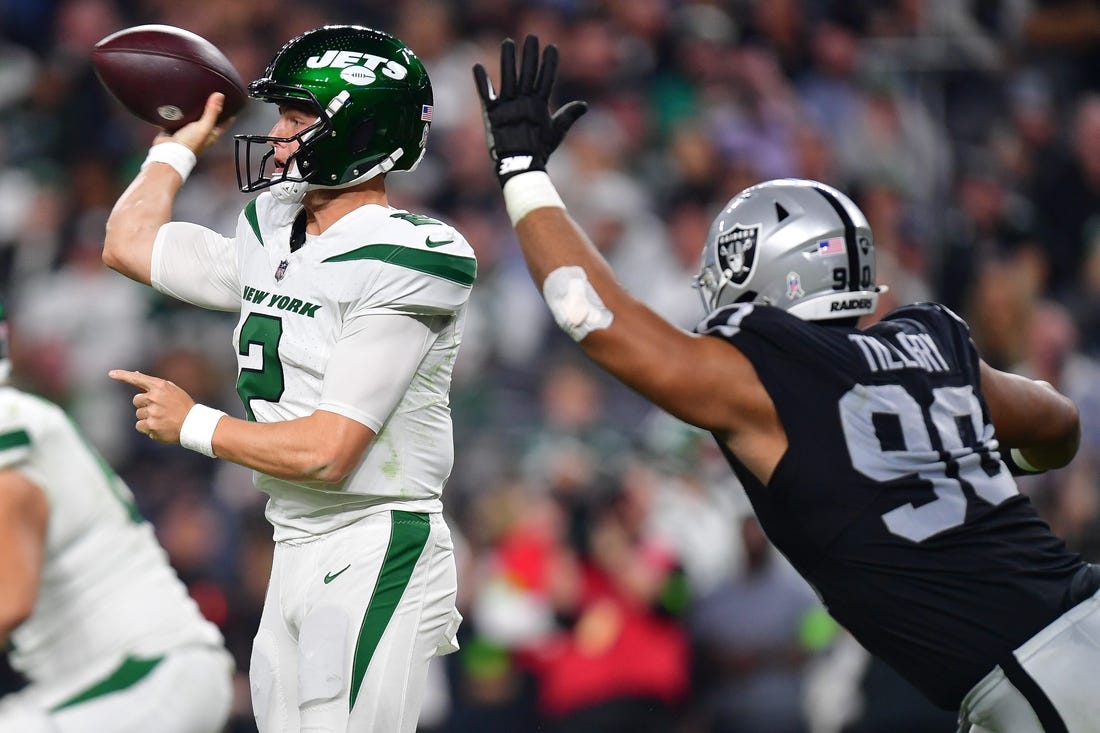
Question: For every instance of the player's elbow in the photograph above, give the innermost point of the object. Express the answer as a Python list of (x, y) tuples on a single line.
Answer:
[(110, 251), (1067, 429), (331, 464), (1056, 436), (15, 608), (331, 447), (127, 248), (111, 260), (114, 248), (331, 472)]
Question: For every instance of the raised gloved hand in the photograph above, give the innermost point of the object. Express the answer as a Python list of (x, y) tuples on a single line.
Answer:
[(519, 128)]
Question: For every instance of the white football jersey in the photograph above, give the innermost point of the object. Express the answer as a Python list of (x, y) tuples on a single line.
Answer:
[(107, 590), (294, 307)]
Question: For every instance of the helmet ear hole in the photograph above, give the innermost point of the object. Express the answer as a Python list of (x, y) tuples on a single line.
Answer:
[(362, 137)]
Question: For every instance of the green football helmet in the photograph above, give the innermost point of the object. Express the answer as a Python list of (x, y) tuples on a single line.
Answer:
[(373, 100)]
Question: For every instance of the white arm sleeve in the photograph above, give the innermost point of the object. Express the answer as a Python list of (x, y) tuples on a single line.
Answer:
[(372, 365), (196, 265)]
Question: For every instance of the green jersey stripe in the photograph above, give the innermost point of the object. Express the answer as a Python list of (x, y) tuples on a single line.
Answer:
[(408, 535), (461, 270), (253, 220), (14, 439), (129, 673)]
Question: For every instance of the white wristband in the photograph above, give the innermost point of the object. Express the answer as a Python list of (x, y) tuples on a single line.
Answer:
[(197, 431), (529, 191), (172, 153), (1022, 462)]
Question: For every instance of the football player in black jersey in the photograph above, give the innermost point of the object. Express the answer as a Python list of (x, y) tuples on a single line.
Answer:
[(877, 460)]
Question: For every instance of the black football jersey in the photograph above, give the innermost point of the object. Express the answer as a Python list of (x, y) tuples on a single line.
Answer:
[(892, 500)]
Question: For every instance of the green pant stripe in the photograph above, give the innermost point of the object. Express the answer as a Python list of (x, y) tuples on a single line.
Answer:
[(408, 535), (130, 672)]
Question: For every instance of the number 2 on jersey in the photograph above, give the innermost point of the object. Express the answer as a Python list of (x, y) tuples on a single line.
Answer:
[(890, 437), (265, 383)]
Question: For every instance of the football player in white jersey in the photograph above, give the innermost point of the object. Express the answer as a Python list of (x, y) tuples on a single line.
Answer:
[(351, 314), (97, 620)]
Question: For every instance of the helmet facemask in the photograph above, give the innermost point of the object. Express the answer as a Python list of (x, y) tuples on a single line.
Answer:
[(290, 183)]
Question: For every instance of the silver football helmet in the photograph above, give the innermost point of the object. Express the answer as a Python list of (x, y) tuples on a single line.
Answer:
[(795, 244)]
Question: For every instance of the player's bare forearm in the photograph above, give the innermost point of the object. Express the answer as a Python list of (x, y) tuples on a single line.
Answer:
[(660, 361), (138, 214), (1033, 417), (24, 513), (146, 205), (323, 446), (680, 372), (551, 239)]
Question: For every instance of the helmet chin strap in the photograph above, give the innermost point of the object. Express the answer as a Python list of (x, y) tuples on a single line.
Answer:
[(838, 305), (292, 192), (383, 166)]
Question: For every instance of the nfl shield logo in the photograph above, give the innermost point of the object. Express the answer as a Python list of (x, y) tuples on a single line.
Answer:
[(280, 271), (737, 252)]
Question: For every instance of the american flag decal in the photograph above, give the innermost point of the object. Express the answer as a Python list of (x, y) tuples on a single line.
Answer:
[(426, 112), (834, 246)]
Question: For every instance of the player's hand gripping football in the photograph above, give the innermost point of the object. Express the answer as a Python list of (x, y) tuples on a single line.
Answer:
[(201, 134), (519, 128)]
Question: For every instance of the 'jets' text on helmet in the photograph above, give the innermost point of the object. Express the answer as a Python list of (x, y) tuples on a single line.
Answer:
[(795, 244), (373, 100)]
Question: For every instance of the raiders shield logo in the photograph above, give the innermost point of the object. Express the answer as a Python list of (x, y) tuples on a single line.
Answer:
[(737, 252)]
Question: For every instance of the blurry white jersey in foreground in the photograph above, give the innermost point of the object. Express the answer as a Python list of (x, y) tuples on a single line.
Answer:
[(107, 590)]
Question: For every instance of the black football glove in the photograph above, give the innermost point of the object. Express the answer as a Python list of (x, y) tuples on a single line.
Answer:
[(520, 130)]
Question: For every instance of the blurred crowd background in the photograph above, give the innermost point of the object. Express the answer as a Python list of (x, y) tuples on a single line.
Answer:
[(612, 576)]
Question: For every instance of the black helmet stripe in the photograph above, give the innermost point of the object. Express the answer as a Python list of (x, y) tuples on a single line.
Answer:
[(850, 244)]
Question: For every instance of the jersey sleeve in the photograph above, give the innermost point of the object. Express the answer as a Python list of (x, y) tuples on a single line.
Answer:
[(196, 265), (15, 445), (941, 322), (20, 420), (932, 315), (372, 366)]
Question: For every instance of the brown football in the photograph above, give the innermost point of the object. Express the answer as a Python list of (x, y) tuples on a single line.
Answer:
[(164, 74)]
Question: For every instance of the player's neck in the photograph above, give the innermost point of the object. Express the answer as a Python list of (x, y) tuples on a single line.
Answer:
[(324, 207)]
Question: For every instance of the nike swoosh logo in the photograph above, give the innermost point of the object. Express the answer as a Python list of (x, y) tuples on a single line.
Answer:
[(433, 243), (333, 576)]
